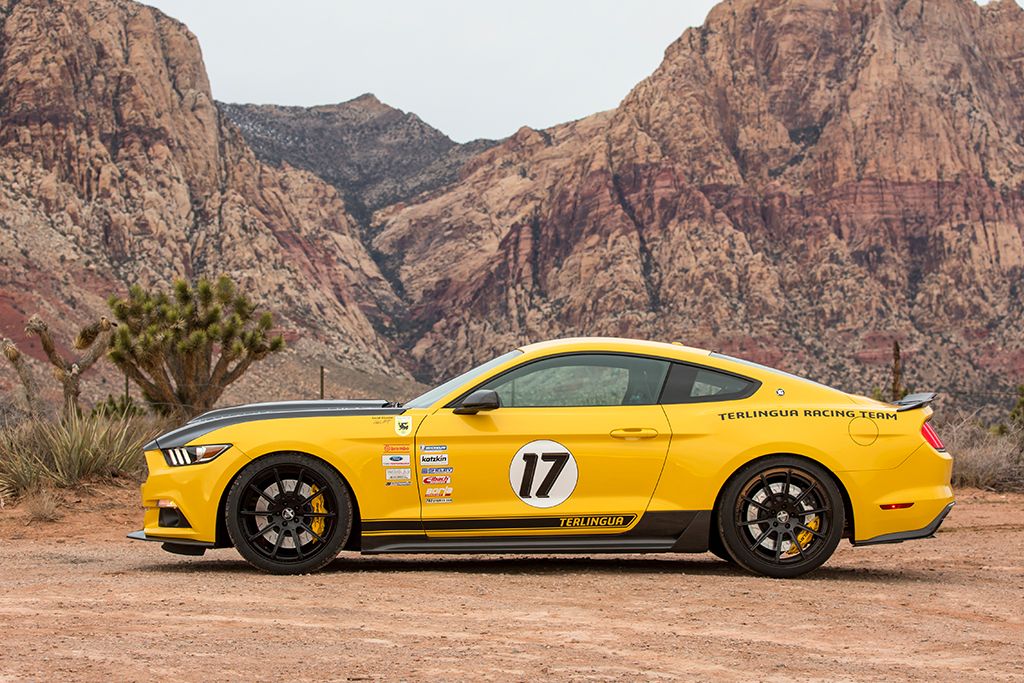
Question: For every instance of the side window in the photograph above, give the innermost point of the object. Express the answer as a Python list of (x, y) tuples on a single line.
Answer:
[(691, 384), (582, 380)]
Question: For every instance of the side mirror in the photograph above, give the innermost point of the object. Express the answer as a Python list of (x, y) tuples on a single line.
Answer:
[(481, 399)]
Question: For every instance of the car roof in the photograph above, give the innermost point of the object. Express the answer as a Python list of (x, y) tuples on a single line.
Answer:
[(654, 348)]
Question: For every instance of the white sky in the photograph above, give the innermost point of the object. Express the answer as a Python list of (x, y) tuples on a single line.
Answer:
[(472, 68)]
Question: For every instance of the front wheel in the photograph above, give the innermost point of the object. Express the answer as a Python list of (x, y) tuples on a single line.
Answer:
[(781, 517), (288, 513)]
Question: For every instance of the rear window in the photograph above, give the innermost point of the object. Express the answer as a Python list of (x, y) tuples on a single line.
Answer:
[(693, 384)]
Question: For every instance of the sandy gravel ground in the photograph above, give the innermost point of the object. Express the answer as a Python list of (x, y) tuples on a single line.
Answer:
[(79, 602)]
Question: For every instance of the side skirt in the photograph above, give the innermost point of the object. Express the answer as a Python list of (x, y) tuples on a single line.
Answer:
[(684, 531)]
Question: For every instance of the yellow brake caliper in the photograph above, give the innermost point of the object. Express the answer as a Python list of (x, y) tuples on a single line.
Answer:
[(318, 506), (804, 537)]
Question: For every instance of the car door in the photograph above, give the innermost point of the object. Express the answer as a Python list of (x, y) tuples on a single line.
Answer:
[(576, 446)]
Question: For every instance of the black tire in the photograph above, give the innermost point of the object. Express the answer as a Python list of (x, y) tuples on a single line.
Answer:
[(781, 517), (716, 547), (288, 513)]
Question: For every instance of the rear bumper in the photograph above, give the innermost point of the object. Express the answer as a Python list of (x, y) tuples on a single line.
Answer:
[(922, 480), (900, 536)]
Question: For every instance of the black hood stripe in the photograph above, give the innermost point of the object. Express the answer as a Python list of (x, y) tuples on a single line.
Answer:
[(225, 417)]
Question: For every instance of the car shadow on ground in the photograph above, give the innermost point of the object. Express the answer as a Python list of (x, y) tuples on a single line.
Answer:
[(351, 563)]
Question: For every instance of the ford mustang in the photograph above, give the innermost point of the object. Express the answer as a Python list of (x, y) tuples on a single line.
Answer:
[(571, 446)]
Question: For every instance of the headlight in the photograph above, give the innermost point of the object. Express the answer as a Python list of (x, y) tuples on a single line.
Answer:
[(193, 455)]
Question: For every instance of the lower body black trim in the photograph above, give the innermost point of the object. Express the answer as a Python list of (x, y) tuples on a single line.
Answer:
[(681, 531), (899, 537), (373, 545)]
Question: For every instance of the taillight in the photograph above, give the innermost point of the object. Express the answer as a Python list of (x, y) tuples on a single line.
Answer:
[(931, 437)]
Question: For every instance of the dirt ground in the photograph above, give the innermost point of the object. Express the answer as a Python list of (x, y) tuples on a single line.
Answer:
[(80, 602)]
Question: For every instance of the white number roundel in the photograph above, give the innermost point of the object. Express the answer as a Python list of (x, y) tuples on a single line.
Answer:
[(543, 473)]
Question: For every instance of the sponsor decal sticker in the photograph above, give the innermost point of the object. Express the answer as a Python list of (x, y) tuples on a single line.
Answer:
[(433, 447), (398, 483), (437, 470), (433, 458), (543, 473), (439, 492), (596, 521), (437, 479), (403, 425), (396, 448), (396, 460), (434, 501), (844, 414), (399, 473)]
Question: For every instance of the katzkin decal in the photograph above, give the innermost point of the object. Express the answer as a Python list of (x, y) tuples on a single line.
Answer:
[(427, 459), (543, 473)]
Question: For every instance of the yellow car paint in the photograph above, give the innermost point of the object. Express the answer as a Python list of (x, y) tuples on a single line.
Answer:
[(631, 461)]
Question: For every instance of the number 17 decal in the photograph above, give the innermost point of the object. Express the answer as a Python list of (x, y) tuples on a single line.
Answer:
[(543, 473)]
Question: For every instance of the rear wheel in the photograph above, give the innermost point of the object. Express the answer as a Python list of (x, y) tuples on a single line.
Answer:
[(781, 517), (288, 513)]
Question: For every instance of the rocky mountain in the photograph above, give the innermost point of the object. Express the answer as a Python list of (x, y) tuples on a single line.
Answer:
[(375, 155), (116, 167), (799, 182)]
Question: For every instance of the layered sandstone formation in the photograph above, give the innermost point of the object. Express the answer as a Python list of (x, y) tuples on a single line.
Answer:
[(799, 182), (116, 167), (374, 154)]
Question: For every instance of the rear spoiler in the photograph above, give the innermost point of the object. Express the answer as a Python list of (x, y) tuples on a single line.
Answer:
[(914, 401)]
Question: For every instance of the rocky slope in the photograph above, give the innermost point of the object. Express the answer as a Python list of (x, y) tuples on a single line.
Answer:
[(116, 167), (799, 182), (375, 155)]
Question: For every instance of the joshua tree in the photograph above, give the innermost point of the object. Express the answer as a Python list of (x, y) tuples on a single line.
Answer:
[(24, 374), (1017, 414), (184, 348), (898, 390), (92, 339)]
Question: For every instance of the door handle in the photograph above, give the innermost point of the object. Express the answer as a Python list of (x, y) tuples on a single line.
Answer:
[(634, 433)]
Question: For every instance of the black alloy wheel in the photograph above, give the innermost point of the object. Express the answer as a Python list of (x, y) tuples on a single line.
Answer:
[(288, 513), (781, 517)]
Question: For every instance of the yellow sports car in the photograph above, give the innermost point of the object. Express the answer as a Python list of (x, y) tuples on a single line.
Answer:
[(573, 446)]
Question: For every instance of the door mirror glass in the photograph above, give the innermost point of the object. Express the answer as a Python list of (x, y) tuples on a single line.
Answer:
[(481, 399)]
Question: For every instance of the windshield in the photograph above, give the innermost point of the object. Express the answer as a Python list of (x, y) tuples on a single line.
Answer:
[(428, 399)]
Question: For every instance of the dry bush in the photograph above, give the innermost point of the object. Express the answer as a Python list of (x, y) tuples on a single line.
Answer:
[(63, 453), (43, 505), (983, 458)]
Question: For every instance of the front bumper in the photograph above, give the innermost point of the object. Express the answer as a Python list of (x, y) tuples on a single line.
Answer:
[(178, 546), (900, 536), (194, 494)]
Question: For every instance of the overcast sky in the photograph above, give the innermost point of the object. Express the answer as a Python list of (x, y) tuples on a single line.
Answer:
[(469, 67)]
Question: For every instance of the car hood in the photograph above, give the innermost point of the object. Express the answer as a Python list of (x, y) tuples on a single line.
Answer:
[(223, 417)]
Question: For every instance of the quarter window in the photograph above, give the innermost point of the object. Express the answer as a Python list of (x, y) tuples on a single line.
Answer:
[(582, 380), (692, 384)]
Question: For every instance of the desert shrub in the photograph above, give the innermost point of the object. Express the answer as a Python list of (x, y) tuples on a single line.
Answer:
[(983, 457), (118, 406), (64, 453), (43, 505)]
